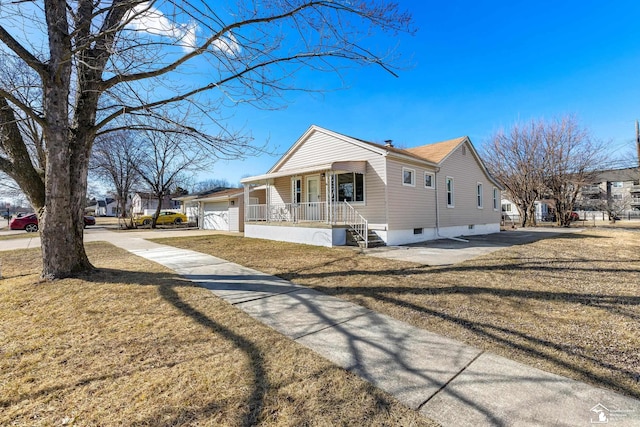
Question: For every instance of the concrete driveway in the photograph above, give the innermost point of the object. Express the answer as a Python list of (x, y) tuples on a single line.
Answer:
[(450, 251)]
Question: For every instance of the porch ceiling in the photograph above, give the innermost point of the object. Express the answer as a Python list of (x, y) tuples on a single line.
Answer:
[(358, 166)]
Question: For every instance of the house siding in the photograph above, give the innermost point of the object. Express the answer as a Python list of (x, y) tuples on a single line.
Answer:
[(466, 174), (374, 207), (280, 190), (320, 148), (409, 207), (236, 214)]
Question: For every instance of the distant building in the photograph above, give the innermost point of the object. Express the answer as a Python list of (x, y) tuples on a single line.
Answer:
[(146, 203), (615, 189)]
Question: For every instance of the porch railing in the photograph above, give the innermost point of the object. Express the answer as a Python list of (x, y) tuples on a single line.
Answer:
[(288, 212), (336, 213)]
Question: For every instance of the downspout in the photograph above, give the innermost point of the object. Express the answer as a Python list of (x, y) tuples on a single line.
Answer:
[(437, 205), (457, 239)]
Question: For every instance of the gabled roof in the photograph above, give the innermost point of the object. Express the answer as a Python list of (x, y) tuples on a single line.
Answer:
[(383, 150), (224, 194), (439, 151), (431, 154), (200, 194)]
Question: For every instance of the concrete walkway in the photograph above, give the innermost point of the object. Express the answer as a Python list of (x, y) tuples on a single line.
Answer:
[(448, 381)]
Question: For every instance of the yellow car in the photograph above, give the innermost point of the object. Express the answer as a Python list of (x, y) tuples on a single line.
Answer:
[(164, 218)]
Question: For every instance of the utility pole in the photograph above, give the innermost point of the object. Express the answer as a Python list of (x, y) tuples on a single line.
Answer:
[(638, 142), (638, 148)]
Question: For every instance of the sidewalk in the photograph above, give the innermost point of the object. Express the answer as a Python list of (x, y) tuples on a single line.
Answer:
[(448, 381)]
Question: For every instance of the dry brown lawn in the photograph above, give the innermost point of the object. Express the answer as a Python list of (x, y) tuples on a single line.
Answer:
[(19, 235), (133, 344), (568, 305)]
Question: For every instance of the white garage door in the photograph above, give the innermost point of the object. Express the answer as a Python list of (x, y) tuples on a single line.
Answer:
[(216, 216)]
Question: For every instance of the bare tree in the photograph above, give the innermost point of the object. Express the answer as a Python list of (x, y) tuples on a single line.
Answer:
[(210, 184), (515, 159), (544, 160), (112, 161), (571, 160), (93, 67), (164, 163)]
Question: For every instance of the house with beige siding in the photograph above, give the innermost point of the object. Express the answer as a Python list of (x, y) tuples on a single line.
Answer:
[(329, 188)]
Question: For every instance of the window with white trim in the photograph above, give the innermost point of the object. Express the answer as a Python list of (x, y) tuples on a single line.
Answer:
[(495, 199), (350, 187), (479, 195), (449, 192), (296, 186), (409, 177), (429, 180)]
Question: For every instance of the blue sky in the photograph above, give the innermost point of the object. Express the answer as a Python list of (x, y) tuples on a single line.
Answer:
[(473, 68)]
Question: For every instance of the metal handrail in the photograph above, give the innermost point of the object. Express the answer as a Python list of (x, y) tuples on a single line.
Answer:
[(357, 222)]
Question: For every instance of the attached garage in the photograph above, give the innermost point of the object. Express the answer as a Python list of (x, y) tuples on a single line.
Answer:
[(215, 216), (222, 210)]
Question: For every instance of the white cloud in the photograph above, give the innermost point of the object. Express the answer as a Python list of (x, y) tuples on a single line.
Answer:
[(227, 44), (151, 20), (147, 18)]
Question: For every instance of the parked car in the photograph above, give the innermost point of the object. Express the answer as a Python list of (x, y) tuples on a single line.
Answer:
[(89, 220), (574, 216), (165, 218), (29, 222)]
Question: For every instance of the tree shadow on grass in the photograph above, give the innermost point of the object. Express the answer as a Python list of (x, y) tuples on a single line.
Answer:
[(564, 355), (255, 401), (167, 285), (509, 337)]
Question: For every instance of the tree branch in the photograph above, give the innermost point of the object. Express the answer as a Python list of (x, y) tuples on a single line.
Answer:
[(23, 53)]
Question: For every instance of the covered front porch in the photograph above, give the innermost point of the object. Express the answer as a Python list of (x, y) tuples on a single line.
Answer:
[(306, 201)]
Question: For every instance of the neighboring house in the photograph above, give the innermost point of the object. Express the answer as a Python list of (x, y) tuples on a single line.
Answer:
[(146, 204), (329, 185), (218, 209), (106, 207), (510, 213)]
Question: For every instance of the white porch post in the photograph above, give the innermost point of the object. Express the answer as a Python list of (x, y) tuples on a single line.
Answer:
[(247, 191), (327, 197), (268, 197)]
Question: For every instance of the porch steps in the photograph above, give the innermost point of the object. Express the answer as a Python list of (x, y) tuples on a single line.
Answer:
[(353, 239)]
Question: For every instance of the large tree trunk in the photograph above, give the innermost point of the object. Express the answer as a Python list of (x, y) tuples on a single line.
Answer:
[(61, 221), (527, 215), (61, 224), (531, 215)]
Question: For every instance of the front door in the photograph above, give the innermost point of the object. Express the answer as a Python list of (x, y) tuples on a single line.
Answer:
[(313, 198)]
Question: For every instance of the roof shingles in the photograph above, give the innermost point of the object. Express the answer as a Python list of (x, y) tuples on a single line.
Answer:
[(438, 151)]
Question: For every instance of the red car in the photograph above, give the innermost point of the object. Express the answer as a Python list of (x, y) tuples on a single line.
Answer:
[(29, 222)]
